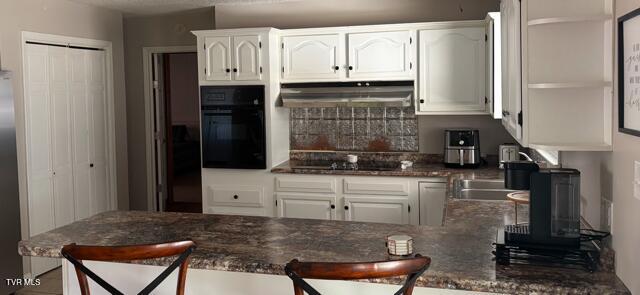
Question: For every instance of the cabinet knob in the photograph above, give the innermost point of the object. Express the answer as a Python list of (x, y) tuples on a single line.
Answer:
[(235, 70), (350, 68), (336, 68), (346, 207), (422, 101), (333, 206), (91, 165), (235, 197), (228, 70)]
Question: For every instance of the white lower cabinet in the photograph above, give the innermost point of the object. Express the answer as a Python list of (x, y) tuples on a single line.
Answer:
[(365, 199), (390, 199), (311, 206), (383, 209), (433, 195), (235, 200)]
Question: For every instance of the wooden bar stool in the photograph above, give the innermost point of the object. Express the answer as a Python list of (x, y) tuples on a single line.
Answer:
[(412, 268), (75, 254)]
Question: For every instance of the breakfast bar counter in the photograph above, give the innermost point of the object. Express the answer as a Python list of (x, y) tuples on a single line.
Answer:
[(460, 250)]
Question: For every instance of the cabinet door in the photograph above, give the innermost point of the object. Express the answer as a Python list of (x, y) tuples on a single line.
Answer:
[(217, 58), (312, 57), (452, 70), (432, 203), (380, 55), (246, 58), (311, 206), (511, 62), (383, 209)]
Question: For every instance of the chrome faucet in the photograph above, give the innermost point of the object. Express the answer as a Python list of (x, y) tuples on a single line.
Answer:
[(526, 156)]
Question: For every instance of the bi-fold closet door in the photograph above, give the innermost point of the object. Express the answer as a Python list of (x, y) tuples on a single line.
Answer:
[(66, 117)]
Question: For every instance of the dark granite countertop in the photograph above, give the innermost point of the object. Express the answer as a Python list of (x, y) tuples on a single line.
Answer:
[(418, 170), (460, 250)]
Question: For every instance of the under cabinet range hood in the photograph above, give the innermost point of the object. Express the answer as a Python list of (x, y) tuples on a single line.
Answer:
[(349, 94)]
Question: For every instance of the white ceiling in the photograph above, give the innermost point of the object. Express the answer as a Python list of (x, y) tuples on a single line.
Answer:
[(154, 7)]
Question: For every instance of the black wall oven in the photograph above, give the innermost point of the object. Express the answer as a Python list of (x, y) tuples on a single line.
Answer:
[(233, 127)]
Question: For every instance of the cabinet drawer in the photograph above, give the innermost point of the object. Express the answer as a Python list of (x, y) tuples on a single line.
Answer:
[(305, 185), (375, 186), (242, 196)]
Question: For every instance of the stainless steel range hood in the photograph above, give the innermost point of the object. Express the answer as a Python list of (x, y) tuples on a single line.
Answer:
[(351, 94)]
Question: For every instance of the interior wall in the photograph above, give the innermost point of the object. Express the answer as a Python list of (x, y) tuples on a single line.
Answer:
[(69, 19), (613, 171), (319, 13), (302, 14), (626, 150), (185, 107), (431, 132), (151, 31)]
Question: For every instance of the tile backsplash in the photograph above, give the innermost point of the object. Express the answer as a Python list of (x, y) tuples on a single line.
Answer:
[(390, 129)]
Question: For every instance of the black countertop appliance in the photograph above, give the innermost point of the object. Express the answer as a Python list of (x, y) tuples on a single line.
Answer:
[(554, 205), (462, 148)]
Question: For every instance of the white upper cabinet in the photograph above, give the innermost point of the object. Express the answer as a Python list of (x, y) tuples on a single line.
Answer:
[(384, 209), (380, 55), (558, 62), (246, 57), (452, 70), (312, 57), (229, 58), (217, 56)]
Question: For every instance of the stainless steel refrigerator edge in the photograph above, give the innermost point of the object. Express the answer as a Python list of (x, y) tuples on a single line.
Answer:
[(11, 262)]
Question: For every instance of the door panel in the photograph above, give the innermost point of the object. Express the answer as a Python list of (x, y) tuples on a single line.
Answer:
[(64, 202), (246, 58), (452, 70), (380, 55), (81, 132), (377, 209), (310, 206), (40, 184), (96, 86), (217, 53), (312, 57)]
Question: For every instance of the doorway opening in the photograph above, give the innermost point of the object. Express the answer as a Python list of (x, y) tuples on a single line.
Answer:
[(176, 131)]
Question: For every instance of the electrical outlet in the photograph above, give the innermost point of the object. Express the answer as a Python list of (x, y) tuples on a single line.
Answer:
[(636, 180)]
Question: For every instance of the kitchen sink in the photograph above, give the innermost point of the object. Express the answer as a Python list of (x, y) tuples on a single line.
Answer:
[(480, 189)]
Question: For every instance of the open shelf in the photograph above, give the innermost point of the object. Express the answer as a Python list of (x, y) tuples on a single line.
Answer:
[(596, 84), (569, 19)]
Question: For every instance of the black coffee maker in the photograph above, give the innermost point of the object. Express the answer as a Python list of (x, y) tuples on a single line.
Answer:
[(554, 205)]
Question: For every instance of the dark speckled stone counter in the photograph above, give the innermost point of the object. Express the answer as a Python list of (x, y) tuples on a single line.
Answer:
[(460, 251), (418, 170)]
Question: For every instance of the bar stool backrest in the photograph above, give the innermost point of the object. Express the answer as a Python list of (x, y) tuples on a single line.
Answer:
[(411, 267), (76, 253)]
